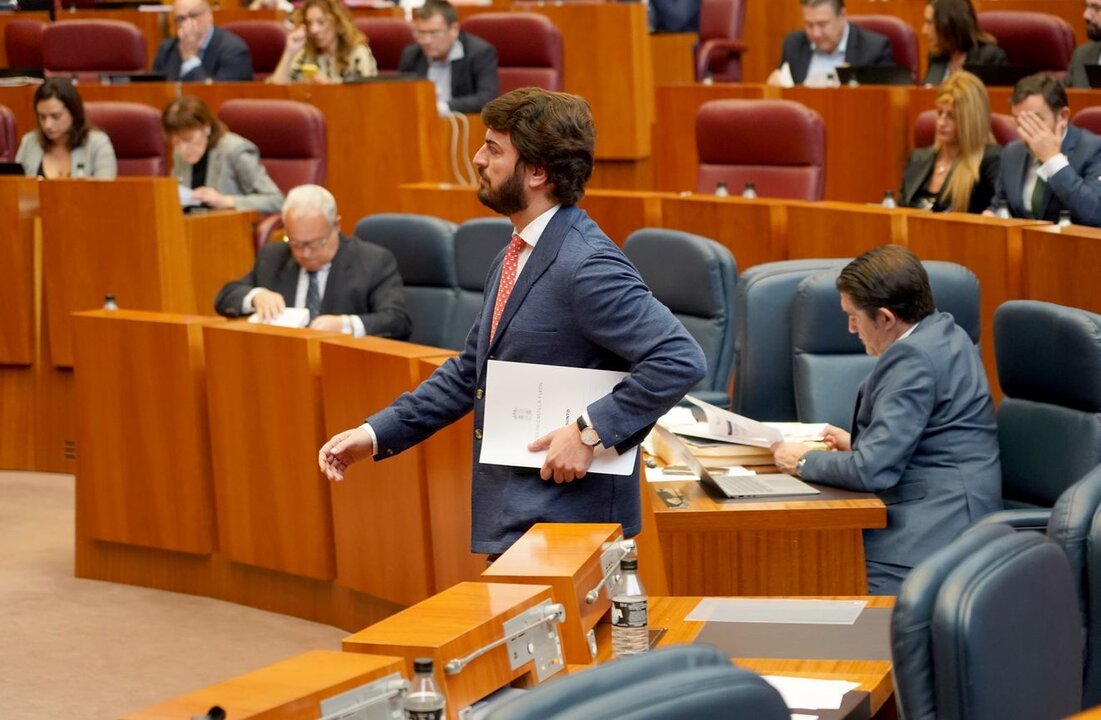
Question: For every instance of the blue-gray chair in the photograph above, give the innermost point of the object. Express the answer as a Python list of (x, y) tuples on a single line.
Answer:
[(763, 387), (986, 628), (477, 243), (695, 278), (424, 249), (829, 362), (1049, 422), (682, 682)]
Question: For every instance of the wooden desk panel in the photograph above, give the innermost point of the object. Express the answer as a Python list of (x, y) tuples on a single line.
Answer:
[(380, 512), (674, 57), (19, 207), (1062, 265), (141, 373), (755, 231), (221, 247), (833, 229), (264, 393)]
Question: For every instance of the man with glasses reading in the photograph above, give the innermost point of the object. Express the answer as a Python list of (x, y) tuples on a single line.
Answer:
[(348, 285), (463, 67), (200, 51), (1090, 53)]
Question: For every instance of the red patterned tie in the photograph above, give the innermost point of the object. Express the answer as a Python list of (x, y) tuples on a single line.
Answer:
[(508, 279)]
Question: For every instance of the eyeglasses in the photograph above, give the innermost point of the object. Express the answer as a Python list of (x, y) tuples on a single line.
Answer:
[(310, 245), (193, 15)]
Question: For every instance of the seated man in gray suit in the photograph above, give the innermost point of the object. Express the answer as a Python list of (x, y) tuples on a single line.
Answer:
[(828, 39), (1054, 166), (348, 285), (200, 51), (923, 435), (1089, 53)]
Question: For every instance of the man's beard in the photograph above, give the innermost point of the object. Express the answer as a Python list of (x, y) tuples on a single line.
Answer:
[(1093, 31), (508, 198)]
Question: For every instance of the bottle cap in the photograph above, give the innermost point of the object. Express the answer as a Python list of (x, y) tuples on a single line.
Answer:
[(628, 564), (422, 665)]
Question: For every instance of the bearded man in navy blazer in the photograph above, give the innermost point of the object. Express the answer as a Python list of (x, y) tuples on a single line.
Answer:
[(923, 435), (577, 301)]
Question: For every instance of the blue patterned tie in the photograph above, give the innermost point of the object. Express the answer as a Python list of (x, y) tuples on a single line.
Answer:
[(313, 297)]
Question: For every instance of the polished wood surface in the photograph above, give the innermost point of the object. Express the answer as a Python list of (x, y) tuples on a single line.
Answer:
[(674, 59), (832, 229), (222, 248), (151, 489), (451, 625), (19, 207), (289, 690), (567, 557), (380, 511), (264, 394), (1062, 265), (754, 231)]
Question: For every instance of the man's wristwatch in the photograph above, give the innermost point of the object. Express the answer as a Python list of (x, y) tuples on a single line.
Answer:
[(799, 466), (589, 435)]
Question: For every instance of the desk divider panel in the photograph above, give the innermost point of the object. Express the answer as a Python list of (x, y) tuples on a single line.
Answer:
[(754, 231), (264, 392), (222, 248), (144, 469), (833, 229), (1062, 265)]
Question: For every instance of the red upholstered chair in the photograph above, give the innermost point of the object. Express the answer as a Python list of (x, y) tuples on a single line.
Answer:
[(92, 47), (529, 48), (8, 139), (265, 39), (23, 43), (136, 134), (778, 145), (1003, 126), (1088, 119), (720, 48), (904, 44), (387, 38), (1031, 38)]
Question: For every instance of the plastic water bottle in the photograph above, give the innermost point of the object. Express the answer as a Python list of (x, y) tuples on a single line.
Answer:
[(750, 191), (1001, 210), (889, 200), (424, 701), (721, 190), (1064, 219), (109, 303), (630, 613)]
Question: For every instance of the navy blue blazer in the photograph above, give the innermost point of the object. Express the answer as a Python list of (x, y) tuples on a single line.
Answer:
[(226, 57), (924, 441), (1076, 188), (578, 302), (864, 48)]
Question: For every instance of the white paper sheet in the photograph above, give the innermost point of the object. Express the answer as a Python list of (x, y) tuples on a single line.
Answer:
[(290, 317), (725, 426), (810, 693), (187, 196), (525, 401), (767, 610)]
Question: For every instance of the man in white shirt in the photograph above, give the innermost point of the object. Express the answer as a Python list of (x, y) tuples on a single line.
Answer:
[(811, 56)]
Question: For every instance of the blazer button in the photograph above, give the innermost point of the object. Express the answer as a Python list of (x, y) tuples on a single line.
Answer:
[(479, 394), (478, 434)]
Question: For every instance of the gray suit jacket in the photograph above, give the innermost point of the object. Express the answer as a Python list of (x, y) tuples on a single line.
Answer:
[(1087, 54), (233, 168), (924, 441), (95, 158), (363, 281), (578, 302)]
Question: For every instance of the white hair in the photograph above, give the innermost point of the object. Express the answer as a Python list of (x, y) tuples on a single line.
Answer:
[(310, 200)]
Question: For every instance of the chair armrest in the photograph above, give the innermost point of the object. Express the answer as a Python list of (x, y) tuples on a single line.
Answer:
[(266, 229), (1018, 519), (710, 47)]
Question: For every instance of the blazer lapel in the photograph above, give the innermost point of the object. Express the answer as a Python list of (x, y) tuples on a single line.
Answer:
[(802, 62), (336, 276), (286, 281), (914, 174)]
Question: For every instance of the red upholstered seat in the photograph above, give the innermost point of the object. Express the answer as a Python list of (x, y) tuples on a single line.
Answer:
[(1088, 119), (8, 138), (265, 39), (23, 43), (290, 136), (904, 44), (529, 48), (720, 48), (387, 38), (136, 134), (93, 46), (778, 145), (1003, 126), (1031, 38)]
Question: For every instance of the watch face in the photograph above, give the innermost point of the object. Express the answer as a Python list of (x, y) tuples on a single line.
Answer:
[(589, 437)]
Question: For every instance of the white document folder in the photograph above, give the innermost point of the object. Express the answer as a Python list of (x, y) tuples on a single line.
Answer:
[(525, 401)]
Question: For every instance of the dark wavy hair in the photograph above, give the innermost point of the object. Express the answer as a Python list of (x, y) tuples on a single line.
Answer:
[(957, 26), (188, 112), (891, 277), (550, 130), (59, 88)]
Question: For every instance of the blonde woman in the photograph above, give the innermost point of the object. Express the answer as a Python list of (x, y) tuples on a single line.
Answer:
[(324, 47), (959, 170)]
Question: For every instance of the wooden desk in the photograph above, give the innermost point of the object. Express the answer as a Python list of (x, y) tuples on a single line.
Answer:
[(754, 231), (1062, 265), (834, 229), (222, 248)]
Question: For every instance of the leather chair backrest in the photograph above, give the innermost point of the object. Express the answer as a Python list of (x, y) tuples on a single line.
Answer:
[(1088, 118), (699, 291), (904, 44), (723, 20), (681, 682), (23, 43), (387, 37), (477, 243), (1006, 634), (1003, 126), (424, 248), (9, 140), (136, 134), (93, 46), (1091, 688), (829, 362), (1049, 422), (1031, 38), (290, 135), (529, 48), (763, 387), (779, 145), (265, 39)]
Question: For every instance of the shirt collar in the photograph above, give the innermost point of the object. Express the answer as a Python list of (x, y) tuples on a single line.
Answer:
[(842, 46), (534, 230), (455, 53)]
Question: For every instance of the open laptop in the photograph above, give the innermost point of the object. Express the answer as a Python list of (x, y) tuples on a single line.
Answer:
[(738, 486), (1093, 75), (875, 75), (11, 168), (1001, 75)]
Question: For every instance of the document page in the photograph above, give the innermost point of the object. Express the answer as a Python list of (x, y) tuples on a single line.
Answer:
[(525, 401), (291, 317), (725, 426)]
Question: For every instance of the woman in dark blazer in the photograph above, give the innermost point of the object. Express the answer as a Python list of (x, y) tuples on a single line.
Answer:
[(959, 170), (955, 40)]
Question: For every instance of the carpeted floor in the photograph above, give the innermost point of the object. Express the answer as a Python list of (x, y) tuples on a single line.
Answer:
[(73, 648)]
